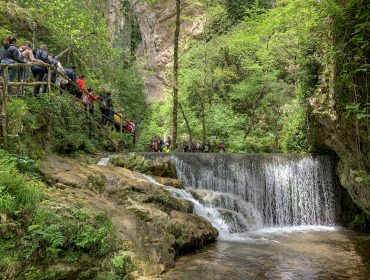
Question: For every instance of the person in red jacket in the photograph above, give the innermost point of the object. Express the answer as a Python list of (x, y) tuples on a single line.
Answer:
[(82, 87), (89, 99)]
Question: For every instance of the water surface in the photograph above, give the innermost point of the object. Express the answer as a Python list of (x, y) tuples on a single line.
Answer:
[(310, 252)]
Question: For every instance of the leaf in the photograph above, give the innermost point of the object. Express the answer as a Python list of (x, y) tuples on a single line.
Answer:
[(34, 227)]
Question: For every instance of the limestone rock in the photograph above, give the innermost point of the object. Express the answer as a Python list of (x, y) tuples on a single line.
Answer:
[(160, 226)]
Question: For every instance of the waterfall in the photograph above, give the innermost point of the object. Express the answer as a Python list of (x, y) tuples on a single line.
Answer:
[(250, 191)]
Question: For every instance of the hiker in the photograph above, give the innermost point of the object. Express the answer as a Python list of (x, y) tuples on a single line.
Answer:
[(197, 148), (206, 148), (82, 86), (185, 147), (89, 99), (27, 55), (118, 119), (161, 144), (66, 84), (168, 142), (222, 147), (53, 74), (130, 126), (106, 108), (9, 54), (39, 71), (155, 144)]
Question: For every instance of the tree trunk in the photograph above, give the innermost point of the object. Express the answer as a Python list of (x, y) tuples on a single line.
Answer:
[(176, 75), (186, 123)]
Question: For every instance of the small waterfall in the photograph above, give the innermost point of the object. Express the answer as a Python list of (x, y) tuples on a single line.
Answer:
[(227, 213), (251, 191)]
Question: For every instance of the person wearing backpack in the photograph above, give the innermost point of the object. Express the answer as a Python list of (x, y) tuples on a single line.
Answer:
[(161, 145), (39, 71), (10, 55), (106, 108), (68, 85), (82, 87)]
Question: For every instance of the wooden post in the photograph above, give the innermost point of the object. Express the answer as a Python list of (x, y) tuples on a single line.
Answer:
[(49, 79), (4, 129)]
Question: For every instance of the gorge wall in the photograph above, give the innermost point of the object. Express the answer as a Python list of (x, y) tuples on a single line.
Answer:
[(156, 23), (340, 105)]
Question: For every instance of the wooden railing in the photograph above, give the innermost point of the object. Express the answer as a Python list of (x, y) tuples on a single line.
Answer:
[(6, 90), (6, 93)]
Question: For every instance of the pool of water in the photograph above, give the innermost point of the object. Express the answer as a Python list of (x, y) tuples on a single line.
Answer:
[(280, 253)]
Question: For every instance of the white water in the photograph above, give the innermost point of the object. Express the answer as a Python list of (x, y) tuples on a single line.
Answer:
[(207, 209), (287, 191), (103, 161), (262, 194)]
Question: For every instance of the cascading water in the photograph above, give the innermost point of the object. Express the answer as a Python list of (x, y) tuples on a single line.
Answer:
[(230, 218), (246, 192)]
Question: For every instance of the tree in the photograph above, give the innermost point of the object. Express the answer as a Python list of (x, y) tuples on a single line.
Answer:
[(176, 75)]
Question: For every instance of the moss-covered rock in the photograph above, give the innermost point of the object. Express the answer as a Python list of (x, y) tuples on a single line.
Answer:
[(160, 226), (161, 167)]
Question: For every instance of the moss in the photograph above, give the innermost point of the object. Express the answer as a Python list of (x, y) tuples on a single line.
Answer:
[(140, 214), (132, 162), (179, 231), (163, 199), (360, 221), (96, 183)]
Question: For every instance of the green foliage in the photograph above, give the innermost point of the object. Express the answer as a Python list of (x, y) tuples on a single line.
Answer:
[(57, 123), (55, 231), (252, 64), (17, 193), (122, 263), (133, 162), (295, 133), (179, 231)]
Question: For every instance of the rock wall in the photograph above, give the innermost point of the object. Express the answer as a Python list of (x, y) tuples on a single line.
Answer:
[(341, 85), (155, 53)]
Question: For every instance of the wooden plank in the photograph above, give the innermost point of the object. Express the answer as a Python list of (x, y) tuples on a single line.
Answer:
[(4, 128), (49, 79), (26, 64), (26, 83)]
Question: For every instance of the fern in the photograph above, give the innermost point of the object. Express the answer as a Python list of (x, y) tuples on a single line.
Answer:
[(7, 202)]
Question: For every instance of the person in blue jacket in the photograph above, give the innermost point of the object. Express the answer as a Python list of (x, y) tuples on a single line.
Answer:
[(38, 72), (9, 54)]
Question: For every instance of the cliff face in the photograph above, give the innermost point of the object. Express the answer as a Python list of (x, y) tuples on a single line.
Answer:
[(341, 103), (155, 53)]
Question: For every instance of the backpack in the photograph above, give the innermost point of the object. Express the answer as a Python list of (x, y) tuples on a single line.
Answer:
[(104, 103)]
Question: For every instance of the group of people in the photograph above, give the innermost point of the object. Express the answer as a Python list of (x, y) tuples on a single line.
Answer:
[(198, 147), (70, 81), (159, 145)]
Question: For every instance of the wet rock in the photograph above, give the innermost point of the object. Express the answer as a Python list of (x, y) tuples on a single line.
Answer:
[(178, 184), (163, 167)]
